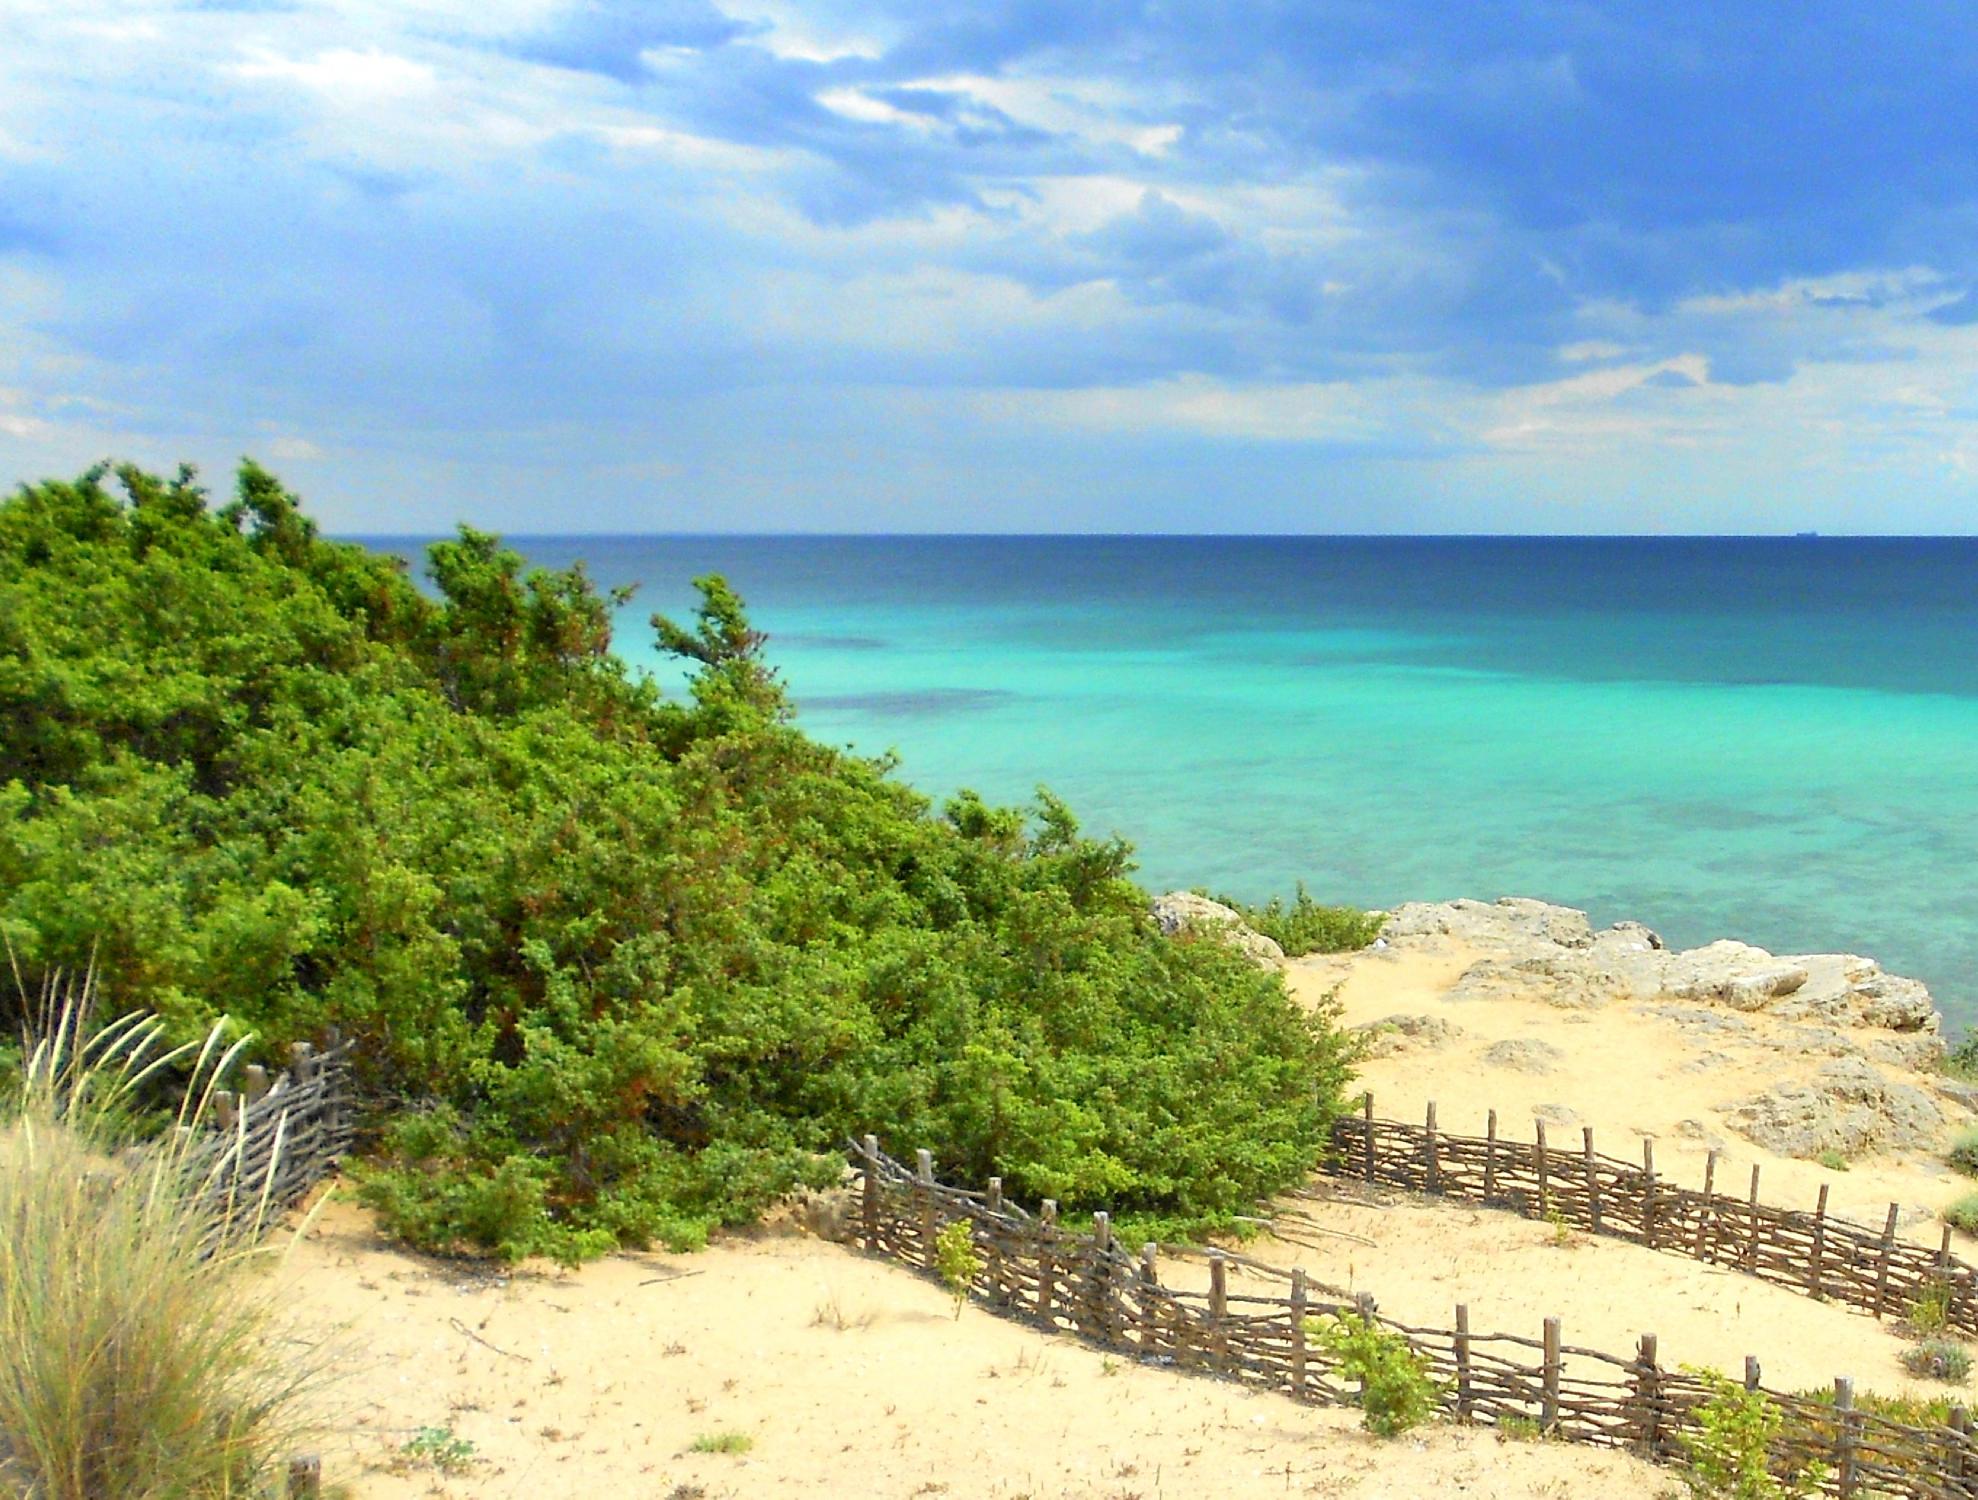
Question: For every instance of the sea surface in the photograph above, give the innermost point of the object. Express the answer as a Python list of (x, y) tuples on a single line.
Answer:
[(1770, 739)]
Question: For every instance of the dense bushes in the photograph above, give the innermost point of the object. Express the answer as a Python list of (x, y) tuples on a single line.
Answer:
[(620, 967), (1305, 926)]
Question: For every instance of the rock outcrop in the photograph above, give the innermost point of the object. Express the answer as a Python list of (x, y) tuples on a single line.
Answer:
[(1524, 1055), (1849, 1107), (1185, 914), (1404, 1033), (1537, 951)]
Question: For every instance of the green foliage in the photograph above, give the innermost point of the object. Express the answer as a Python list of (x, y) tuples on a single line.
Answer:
[(722, 1442), (620, 968), (1962, 1060), (1909, 1409), (1832, 1160), (1397, 1391), (1307, 927), (1962, 1213), (1730, 1451), (956, 1258), (1930, 1311), (1520, 1429), (438, 1448), (1938, 1359), (1963, 1153)]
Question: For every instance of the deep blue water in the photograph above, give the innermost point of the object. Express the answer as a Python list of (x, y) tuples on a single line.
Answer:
[(1773, 739)]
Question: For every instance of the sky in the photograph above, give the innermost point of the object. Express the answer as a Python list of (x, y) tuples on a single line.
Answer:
[(1050, 265)]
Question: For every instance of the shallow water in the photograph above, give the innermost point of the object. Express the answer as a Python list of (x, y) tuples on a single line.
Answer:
[(1773, 739)]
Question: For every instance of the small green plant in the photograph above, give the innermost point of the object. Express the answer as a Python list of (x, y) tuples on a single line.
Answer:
[(722, 1442), (1930, 1311), (1519, 1429), (1730, 1452), (956, 1258), (1396, 1390), (1562, 1228), (1963, 1153), (1305, 926), (1963, 1213), (1962, 1060), (439, 1448), (1939, 1359), (1832, 1160)]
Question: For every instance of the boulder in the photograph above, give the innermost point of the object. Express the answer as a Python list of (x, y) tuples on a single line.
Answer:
[(1565, 978), (1185, 914), (1514, 922), (1524, 1055), (1404, 1033), (1555, 1114)]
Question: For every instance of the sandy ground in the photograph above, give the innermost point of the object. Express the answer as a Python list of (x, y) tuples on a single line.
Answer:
[(848, 1375)]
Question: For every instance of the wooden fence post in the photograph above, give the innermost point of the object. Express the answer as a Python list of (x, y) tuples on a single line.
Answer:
[(1648, 1396), (305, 1477), (1363, 1305), (1548, 1411), (1751, 1372), (1367, 1125), (1150, 1302), (1298, 1349), (1434, 1183), (1819, 1246), (257, 1083), (1462, 1361), (1047, 1261), (1100, 1298), (1751, 1239), (1490, 1156), (301, 1061), (1961, 1444), (1706, 1217), (1218, 1309), (1844, 1437), (923, 1190), (994, 1259), (1540, 1165), (226, 1111), (1648, 1192), (1888, 1250), (1593, 1179), (871, 1194)]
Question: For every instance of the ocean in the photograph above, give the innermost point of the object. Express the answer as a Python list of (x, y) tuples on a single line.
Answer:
[(1773, 739)]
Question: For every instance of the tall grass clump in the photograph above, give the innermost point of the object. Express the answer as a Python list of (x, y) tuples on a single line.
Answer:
[(138, 1359)]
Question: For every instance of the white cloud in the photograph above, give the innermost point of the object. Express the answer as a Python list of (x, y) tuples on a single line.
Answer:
[(346, 76)]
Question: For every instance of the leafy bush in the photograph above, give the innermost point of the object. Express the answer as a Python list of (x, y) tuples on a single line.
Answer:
[(1938, 1359), (1307, 927), (721, 1442), (1962, 1213), (1730, 1452), (1396, 1390), (1930, 1311), (134, 1362), (1833, 1160), (619, 967), (1963, 1153), (1962, 1060)]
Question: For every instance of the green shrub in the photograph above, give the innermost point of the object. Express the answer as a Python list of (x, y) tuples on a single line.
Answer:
[(722, 1442), (1930, 1311), (1962, 1213), (1963, 1153), (957, 1259), (1938, 1359), (136, 1361), (1832, 1160), (1729, 1453), (1397, 1390), (1307, 927), (1962, 1060), (438, 1448), (619, 967)]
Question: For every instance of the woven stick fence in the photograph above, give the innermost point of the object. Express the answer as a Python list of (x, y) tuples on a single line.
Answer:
[(1087, 1284), (1818, 1253), (274, 1139)]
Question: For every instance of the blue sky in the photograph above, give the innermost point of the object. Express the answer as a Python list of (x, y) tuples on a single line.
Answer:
[(760, 265)]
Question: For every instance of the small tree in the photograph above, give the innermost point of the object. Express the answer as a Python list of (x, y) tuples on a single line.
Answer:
[(1396, 1390), (1730, 1453), (956, 1258)]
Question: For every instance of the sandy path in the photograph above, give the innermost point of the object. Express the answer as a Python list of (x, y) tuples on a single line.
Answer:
[(609, 1374)]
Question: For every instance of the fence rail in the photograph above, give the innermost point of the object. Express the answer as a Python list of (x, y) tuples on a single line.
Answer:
[(1034, 1268), (275, 1138), (1818, 1253)]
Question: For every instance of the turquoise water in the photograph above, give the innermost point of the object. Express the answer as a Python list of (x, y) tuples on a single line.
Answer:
[(1773, 740)]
